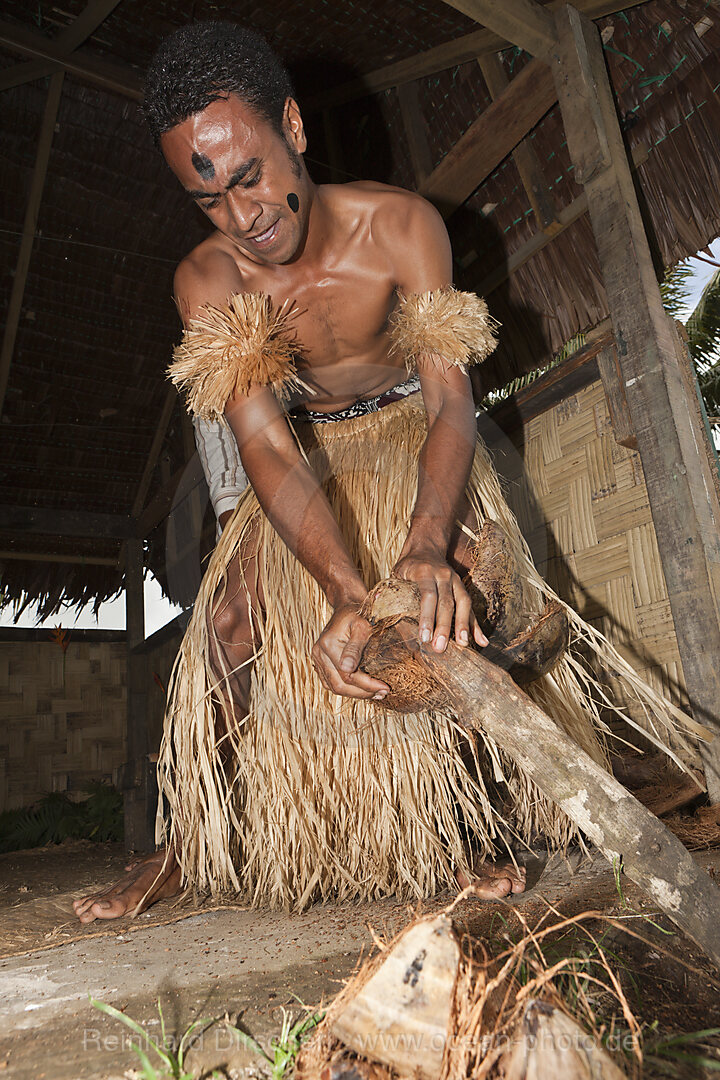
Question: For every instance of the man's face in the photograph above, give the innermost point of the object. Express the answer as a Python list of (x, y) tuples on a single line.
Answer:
[(244, 175)]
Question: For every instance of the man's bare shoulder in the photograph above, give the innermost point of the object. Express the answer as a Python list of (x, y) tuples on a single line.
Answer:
[(207, 275), (407, 228), (393, 208)]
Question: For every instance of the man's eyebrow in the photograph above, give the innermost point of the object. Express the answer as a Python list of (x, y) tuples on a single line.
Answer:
[(236, 178)]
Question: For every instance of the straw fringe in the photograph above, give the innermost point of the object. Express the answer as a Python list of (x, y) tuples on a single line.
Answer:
[(226, 351), (337, 798), (453, 325)]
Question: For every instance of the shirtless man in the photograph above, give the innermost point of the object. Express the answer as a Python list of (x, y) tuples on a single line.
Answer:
[(342, 254)]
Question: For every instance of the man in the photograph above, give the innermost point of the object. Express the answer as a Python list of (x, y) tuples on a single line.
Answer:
[(275, 786)]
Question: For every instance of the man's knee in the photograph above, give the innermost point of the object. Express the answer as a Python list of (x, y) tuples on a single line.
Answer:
[(231, 620)]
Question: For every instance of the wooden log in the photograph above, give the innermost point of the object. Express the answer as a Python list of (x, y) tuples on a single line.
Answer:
[(483, 697)]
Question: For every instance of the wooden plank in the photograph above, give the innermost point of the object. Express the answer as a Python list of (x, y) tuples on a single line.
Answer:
[(491, 137), (118, 78), (526, 160), (451, 53), (522, 22), (42, 157), (610, 374), (685, 509), (36, 519), (415, 131)]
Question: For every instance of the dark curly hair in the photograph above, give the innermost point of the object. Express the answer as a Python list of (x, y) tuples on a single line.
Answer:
[(203, 62)]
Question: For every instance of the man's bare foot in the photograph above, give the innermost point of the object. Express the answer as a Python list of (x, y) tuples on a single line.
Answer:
[(155, 875), (492, 881)]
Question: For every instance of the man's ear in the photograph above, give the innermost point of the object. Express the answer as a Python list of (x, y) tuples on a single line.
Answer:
[(293, 126)]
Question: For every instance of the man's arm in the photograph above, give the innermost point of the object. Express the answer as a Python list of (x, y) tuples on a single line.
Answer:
[(290, 495), (447, 455)]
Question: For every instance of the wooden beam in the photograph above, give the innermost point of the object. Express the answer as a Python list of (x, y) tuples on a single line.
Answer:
[(458, 51), (34, 519), (683, 500), (52, 557), (81, 28), (415, 131), (526, 160), (118, 78), (522, 22), (155, 448), (42, 157), (569, 214), (491, 137)]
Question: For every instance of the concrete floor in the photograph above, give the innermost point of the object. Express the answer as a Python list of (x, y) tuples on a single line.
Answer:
[(236, 961)]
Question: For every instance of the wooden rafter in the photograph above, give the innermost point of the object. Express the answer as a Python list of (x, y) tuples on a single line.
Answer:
[(42, 158), (441, 57), (491, 137), (52, 557), (525, 23), (415, 131), (118, 78), (524, 156), (79, 30)]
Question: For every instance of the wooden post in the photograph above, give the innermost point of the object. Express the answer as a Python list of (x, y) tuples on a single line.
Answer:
[(684, 506), (139, 811)]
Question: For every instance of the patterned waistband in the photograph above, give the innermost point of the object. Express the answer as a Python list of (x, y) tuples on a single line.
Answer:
[(362, 407)]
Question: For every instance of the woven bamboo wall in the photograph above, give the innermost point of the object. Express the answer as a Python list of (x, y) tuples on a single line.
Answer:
[(59, 729), (582, 503)]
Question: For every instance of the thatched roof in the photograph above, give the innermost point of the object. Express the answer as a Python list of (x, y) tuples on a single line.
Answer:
[(86, 385)]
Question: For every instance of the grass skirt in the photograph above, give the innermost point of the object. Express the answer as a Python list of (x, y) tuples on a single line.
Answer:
[(330, 797)]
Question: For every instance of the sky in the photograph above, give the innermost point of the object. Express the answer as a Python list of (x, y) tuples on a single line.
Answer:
[(159, 611)]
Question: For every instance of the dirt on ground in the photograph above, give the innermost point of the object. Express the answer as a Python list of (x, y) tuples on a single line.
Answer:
[(202, 961)]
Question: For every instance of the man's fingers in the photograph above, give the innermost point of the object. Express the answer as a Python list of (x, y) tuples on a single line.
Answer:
[(352, 651), (443, 615), (428, 607), (478, 635), (463, 613)]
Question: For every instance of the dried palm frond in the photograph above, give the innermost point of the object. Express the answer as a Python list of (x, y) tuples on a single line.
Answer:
[(226, 351), (455, 326)]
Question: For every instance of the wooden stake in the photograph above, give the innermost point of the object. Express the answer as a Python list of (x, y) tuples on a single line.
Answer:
[(483, 697)]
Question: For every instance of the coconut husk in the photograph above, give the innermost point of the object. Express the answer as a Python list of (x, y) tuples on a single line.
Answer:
[(698, 831), (505, 1016)]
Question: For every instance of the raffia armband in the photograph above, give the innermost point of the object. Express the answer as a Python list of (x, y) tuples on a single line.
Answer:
[(226, 351), (456, 326)]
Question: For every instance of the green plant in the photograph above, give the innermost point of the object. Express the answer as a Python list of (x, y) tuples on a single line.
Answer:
[(56, 817), (285, 1048), (172, 1062)]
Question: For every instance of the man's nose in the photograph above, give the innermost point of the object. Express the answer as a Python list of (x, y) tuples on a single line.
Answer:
[(244, 209)]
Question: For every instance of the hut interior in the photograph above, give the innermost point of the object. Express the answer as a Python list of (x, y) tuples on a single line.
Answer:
[(574, 152)]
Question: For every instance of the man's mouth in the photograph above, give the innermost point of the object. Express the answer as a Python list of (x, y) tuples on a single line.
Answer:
[(264, 238)]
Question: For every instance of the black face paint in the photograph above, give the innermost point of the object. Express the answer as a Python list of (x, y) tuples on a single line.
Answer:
[(293, 202), (203, 166)]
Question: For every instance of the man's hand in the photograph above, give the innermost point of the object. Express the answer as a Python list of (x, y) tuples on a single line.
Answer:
[(336, 655), (442, 596)]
